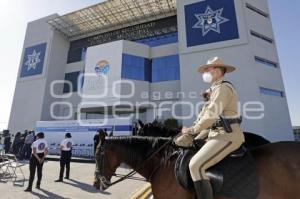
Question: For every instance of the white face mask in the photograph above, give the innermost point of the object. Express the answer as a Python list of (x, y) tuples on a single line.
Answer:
[(207, 77)]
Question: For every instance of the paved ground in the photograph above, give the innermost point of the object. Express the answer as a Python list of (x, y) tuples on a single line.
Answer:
[(79, 186)]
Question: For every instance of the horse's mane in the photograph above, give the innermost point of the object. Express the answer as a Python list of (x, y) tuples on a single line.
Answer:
[(158, 130), (140, 143), (137, 149), (155, 129)]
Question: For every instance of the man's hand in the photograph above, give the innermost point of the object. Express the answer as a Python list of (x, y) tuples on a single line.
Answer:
[(186, 130), (41, 160)]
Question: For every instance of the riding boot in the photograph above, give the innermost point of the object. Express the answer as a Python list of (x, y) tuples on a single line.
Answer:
[(203, 189)]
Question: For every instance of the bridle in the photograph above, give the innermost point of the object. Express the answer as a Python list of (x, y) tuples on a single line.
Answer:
[(100, 175), (106, 183)]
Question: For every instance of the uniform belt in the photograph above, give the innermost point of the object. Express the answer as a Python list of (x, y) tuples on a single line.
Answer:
[(41, 154), (229, 121)]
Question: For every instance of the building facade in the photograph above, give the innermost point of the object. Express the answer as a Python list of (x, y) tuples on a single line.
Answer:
[(139, 58)]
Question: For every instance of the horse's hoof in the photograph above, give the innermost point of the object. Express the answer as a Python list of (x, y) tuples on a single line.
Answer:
[(97, 185)]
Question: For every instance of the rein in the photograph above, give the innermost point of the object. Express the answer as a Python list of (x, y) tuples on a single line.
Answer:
[(130, 174)]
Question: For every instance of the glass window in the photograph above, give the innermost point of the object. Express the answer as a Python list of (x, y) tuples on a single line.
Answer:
[(148, 73), (155, 70), (73, 78), (160, 40), (266, 62), (76, 55), (83, 53), (267, 91), (79, 54), (135, 68), (165, 69)]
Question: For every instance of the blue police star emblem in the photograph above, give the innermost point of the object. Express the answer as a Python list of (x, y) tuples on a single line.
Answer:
[(33, 60), (210, 20)]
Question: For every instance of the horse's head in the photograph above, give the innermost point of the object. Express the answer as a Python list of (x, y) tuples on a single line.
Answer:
[(106, 163)]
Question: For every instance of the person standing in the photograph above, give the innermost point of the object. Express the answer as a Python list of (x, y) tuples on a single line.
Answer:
[(16, 144), (28, 141), (65, 158), (39, 152), (23, 136), (26, 150), (7, 141)]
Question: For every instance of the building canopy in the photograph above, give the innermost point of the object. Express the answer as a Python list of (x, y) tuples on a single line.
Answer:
[(111, 15)]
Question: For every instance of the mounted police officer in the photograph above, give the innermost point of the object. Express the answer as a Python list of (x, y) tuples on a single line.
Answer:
[(218, 123)]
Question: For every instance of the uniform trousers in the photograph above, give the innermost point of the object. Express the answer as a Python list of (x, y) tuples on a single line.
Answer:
[(33, 165), (213, 151), (65, 160)]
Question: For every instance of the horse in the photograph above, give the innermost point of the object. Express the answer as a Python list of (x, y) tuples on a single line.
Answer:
[(277, 166), (154, 129)]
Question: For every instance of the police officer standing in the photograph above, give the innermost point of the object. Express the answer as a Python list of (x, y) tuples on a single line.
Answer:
[(39, 152), (65, 158)]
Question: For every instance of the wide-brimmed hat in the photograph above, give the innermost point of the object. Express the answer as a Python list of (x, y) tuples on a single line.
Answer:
[(215, 62)]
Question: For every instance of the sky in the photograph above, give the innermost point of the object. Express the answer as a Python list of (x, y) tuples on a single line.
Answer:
[(15, 14)]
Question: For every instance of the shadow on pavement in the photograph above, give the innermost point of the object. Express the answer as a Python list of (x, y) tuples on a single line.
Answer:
[(85, 187), (49, 195)]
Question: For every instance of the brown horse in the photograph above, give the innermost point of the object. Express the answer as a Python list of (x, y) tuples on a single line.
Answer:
[(278, 167)]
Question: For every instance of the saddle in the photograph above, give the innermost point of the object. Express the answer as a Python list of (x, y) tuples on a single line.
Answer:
[(233, 177)]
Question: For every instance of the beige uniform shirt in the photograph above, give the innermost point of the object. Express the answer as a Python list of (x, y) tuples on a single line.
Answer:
[(223, 102)]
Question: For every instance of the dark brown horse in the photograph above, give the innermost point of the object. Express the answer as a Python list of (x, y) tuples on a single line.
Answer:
[(278, 167)]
